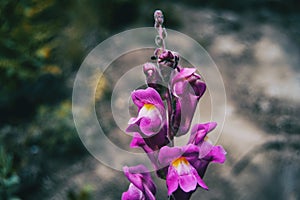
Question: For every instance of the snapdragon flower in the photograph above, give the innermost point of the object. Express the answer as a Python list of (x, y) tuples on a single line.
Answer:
[(166, 109), (151, 112), (141, 186), (187, 88), (207, 151), (181, 173)]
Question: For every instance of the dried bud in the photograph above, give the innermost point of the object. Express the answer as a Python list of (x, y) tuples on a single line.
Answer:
[(159, 18)]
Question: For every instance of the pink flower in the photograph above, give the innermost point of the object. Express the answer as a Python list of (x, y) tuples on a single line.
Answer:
[(141, 186), (181, 173), (151, 112), (207, 151), (187, 88)]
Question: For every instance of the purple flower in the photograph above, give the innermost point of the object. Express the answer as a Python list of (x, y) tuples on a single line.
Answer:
[(181, 174), (187, 88), (141, 186), (199, 132), (151, 112), (207, 151)]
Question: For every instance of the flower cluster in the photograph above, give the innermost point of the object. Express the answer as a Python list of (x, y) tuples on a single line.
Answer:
[(165, 111)]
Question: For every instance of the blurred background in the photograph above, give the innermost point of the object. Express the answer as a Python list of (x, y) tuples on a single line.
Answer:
[(255, 45)]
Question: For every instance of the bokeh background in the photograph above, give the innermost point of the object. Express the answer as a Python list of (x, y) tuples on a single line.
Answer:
[(255, 45)]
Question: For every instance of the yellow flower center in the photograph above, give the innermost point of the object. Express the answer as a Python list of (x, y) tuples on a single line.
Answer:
[(178, 161), (149, 106), (182, 166)]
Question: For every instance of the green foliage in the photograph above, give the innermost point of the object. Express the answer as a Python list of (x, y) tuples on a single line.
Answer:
[(83, 194), (9, 180), (27, 54), (42, 44), (54, 131)]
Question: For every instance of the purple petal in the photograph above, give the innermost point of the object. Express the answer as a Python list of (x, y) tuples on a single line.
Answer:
[(149, 194), (199, 131), (199, 87), (172, 180), (168, 154), (134, 176), (133, 193), (179, 88), (191, 152), (204, 149), (200, 165), (188, 182), (187, 87), (188, 105), (184, 72), (141, 180), (150, 188), (147, 96), (217, 154), (158, 140), (199, 179), (138, 141), (150, 126)]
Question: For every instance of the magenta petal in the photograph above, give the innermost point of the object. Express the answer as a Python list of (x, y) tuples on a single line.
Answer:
[(133, 193), (188, 182), (187, 88), (142, 186), (218, 154), (199, 179), (168, 154), (172, 180), (179, 88), (134, 178), (188, 105), (191, 152), (184, 72), (205, 149), (146, 96), (199, 131), (138, 141), (199, 87), (149, 194), (150, 126)]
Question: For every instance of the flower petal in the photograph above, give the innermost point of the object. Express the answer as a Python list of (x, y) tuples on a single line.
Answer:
[(188, 182), (217, 154), (184, 72), (133, 193), (199, 131), (188, 105), (134, 175), (146, 96), (168, 154), (152, 124), (172, 180), (199, 179)]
